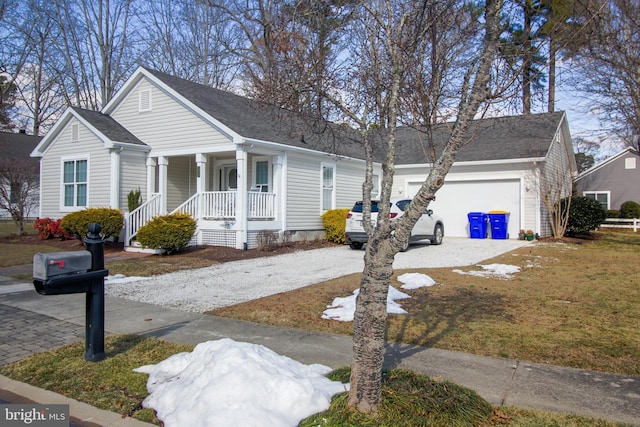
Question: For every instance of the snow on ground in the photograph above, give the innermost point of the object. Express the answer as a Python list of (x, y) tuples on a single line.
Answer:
[(343, 309), (415, 280), (229, 383), (500, 270)]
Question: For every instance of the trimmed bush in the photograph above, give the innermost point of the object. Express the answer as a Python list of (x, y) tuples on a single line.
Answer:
[(134, 199), (630, 209), (77, 223), (334, 221), (169, 232), (585, 214), (612, 213)]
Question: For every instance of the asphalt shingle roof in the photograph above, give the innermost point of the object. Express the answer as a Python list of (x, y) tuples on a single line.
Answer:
[(515, 137), (108, 126), (18, 145), (261, 121)]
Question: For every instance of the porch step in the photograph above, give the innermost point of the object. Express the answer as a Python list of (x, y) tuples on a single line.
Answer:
[(137, 247)]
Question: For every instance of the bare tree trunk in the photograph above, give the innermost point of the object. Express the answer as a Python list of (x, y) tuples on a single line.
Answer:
[(370, 315), (526, 66), (551, 102)]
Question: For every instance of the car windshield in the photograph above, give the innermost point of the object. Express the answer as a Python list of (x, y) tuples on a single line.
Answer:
[(358, 207), (403, 204)]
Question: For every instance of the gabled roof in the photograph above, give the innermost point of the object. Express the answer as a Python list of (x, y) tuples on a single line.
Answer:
[(254, 120), (108, 127), (493, 139), (17, 145), (604, 163), (517, 137), (110, 132)]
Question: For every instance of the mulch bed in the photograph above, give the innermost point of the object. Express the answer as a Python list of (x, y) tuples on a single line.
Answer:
[(115, 250)]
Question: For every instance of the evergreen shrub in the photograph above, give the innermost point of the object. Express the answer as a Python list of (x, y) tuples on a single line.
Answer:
[(169, 232), (134, 199), (585, 214), (630, 209), (612, 213), (77, 223), (334, 222)]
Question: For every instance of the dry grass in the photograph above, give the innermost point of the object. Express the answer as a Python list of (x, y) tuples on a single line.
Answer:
[(575, 305)]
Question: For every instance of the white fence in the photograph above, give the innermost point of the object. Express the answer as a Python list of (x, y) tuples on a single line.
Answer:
[(633, 223)]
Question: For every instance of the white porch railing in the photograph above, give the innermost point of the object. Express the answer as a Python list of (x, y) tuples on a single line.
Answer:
[(141, 215), (222, 205), (219, 204), (215, 205), (261, 205)]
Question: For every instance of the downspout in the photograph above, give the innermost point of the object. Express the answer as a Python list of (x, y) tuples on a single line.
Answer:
[(241, 202), (114, 187)]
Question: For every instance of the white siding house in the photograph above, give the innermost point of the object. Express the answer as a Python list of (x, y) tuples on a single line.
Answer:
[(506, 166), (240, 166)]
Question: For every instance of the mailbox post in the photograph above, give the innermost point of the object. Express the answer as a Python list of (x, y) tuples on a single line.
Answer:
[(78, 272)]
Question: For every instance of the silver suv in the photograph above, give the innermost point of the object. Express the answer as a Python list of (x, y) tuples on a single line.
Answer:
[(429, 226)]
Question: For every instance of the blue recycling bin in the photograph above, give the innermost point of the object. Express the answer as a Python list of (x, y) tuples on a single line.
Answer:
[(499, 221), (477, 225)]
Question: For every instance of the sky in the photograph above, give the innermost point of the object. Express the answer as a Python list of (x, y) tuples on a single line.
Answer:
[(229, 383)]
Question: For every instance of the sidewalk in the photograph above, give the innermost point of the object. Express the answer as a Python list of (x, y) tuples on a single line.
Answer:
[(46, 322)]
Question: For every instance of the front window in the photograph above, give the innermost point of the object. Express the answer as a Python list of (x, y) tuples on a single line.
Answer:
[(261, 176), (74, 183), (601, 197), (16, 188), (328, 187)]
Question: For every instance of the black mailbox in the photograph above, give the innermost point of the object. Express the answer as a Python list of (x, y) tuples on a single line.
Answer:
[(64, 273), (78, 272)]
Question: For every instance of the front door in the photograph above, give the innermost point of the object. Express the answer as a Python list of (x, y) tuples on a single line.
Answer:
[(229, 178)]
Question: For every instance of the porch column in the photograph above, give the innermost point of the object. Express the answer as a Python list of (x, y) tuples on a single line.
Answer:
[(279, 180), (114, 187), (151, 176), (241, 199), (163, 163), (202, 173)]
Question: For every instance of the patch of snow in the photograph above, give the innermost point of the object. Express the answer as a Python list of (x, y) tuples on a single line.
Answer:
[(343, 309), (415, 280), (121, 278), (503, 270), (229, 383)]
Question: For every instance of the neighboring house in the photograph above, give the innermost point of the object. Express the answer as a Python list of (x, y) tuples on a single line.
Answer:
[(613, 181), (15, 148), (511, 164), (240, 166)]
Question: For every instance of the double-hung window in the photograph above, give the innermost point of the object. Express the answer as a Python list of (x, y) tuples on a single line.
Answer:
[(601, 197), (74, 183), (261, 174), (328, 186)]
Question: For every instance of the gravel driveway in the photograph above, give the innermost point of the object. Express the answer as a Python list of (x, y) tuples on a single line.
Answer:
[(204, 289)]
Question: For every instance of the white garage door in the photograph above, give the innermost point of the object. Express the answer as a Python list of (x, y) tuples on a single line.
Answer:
[(456, 199)]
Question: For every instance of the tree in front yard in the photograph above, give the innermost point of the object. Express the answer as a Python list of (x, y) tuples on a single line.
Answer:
[(19, 183), (389, 41)]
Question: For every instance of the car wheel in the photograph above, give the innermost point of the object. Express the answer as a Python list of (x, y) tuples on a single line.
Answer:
[(355, 245), (438, 234)]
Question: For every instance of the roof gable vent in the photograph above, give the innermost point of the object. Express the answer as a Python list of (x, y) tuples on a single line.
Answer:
[(144, 100)]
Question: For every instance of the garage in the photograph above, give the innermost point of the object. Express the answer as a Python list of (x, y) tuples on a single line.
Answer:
[(457, 198)]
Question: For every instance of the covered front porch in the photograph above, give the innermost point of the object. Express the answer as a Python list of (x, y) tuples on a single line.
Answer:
[(232, 196)]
